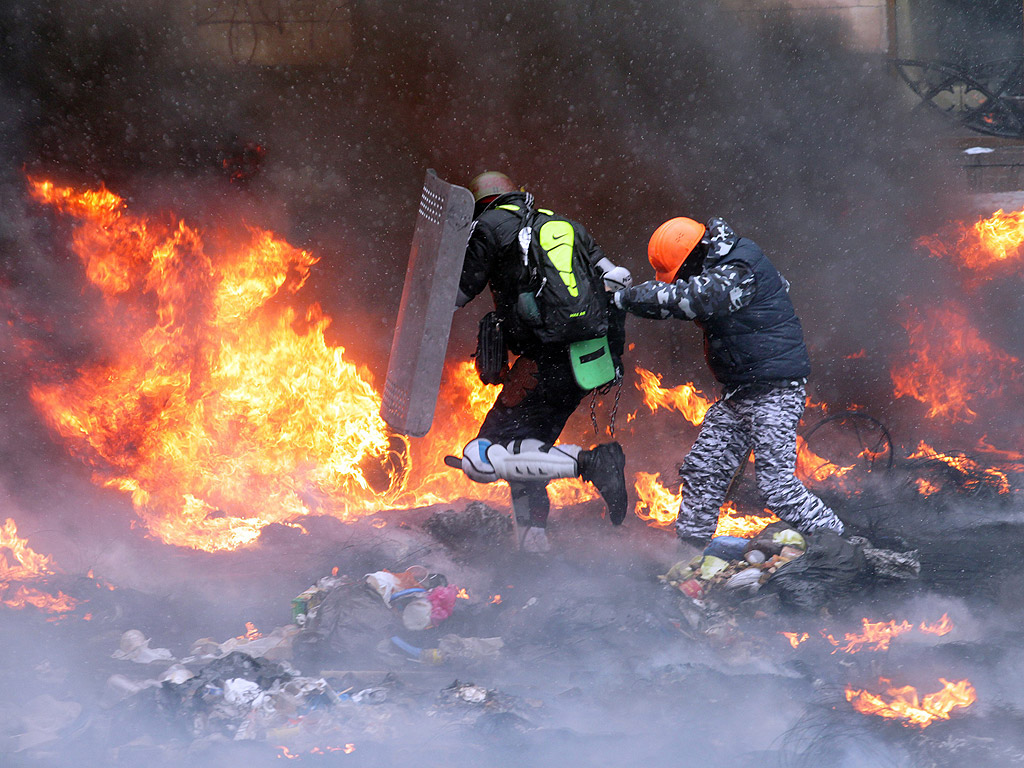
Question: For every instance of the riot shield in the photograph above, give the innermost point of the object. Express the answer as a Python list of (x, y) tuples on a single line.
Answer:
[(428, 303)]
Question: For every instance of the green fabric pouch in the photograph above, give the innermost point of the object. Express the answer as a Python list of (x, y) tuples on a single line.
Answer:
[(592, 363)]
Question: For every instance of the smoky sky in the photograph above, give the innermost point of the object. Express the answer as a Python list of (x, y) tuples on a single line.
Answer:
[(618, 114)]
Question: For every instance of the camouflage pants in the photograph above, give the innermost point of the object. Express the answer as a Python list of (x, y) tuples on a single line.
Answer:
[(765, 422)]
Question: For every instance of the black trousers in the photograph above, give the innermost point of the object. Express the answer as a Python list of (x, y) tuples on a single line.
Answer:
[(538, 395)]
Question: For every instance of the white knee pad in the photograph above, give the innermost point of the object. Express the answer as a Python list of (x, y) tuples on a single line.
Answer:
[(475, 463), (521, 460)]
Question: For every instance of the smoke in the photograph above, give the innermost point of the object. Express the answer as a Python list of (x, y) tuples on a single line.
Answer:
[(619, 114)]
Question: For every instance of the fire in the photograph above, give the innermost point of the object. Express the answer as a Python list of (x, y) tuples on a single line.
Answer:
[(659, 506), (877, 634), (794, 638), (903, 703), (495, 600), (462, 594), (942, 627), (949, 366), (251, 633), (731, 522), (1011, 460), (25, 565), (685, 398), (974, 474), (810, 467), (655, 502), (23, 596), (925, 487), (980, 247), (220, 409)]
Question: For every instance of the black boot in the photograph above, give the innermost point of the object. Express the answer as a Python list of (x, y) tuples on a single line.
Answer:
[(604, 466)]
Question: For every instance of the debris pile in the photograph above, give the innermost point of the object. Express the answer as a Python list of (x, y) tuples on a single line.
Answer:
[(787, 570)]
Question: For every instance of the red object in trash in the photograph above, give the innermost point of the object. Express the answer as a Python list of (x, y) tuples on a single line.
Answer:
[(692, 588)]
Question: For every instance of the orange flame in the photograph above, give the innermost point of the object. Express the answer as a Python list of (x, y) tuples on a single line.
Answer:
[(981, 246), (660, 507), (903, 704), (949, 366), (925, 487), (685, 398), (655, 502), (23, 596), (251, 633), (795, 639), (876, 634), (462, 594), (942, 627), (220, 410), (810, 467), (25, 565), (997, 478), (495, 600), (731, 522)]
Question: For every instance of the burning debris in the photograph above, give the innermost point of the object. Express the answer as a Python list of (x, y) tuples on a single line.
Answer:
[(240, 419), (26, 565), (903, 704)]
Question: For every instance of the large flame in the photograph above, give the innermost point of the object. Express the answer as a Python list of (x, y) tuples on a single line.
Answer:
[(949, 366), (219, 408), (983, 245), (902, 704)]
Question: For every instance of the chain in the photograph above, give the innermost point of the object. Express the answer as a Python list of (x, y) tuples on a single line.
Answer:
[(615, 409)]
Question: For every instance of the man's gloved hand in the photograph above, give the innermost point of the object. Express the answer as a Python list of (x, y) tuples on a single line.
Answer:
[(617, 278), (618, 298)]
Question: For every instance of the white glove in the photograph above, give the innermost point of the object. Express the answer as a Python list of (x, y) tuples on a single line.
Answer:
[(617, 278)]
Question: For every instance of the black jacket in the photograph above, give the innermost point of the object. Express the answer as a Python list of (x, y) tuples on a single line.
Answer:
[(493, 258), (762, 341)]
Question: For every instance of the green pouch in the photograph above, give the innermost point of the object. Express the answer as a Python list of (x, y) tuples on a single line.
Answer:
[(592, 362)]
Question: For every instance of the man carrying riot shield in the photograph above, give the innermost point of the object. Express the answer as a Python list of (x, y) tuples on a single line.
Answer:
[(548, 279)]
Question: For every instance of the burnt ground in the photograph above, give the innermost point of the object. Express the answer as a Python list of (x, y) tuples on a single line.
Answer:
[(601, 664)]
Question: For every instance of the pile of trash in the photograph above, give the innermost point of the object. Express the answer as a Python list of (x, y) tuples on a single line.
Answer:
[(251, 687), (346, 620), (780, 568)]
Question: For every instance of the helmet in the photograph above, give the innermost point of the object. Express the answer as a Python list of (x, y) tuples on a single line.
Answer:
[(490, 184), (671, 243)]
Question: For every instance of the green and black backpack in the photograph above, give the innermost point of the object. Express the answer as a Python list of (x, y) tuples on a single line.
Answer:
[(561, 298)]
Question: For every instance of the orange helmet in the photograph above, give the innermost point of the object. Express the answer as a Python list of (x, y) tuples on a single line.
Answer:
[(490, 184), (671, 243)]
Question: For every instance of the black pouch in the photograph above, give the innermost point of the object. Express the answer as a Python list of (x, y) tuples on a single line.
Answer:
[(491, 358)]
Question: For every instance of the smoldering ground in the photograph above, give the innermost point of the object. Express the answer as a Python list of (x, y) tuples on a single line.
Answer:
[(618, 114)]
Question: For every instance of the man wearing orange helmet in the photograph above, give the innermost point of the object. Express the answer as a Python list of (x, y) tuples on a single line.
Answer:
[(754, 345), (543, 387)]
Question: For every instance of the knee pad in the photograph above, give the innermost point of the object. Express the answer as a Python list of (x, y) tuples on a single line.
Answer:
[(526, 460), (475, 463)]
